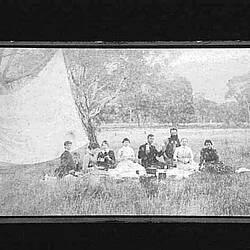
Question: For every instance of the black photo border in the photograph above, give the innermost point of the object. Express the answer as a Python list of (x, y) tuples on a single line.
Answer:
[(123, 218)]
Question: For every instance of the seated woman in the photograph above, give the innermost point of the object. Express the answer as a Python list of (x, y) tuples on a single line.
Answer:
[(209, 160), (78, 162), (183, 159), (127, 167), (106, 157), (183, 156)]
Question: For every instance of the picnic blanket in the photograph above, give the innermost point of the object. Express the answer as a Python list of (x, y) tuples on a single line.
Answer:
[(180, 172), (242, 170), (126, 172), (127, 169)]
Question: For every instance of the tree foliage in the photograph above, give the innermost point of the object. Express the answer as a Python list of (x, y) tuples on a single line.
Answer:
[(152, 96), (206, 110), (239, 89), (128, 86), (174, 101)]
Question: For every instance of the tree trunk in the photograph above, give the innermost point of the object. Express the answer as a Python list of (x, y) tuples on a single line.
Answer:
[(144, 118), (248, 112), (91, 132), (138, 118), (130, 115)]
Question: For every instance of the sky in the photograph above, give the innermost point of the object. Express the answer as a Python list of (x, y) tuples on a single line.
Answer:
[(208, 70)]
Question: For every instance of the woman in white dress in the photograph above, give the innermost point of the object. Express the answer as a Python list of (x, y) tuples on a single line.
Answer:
[(127, 167), (184, 160), (183, 156)]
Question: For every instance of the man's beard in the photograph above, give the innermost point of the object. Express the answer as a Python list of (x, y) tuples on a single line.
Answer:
[(174, 137)]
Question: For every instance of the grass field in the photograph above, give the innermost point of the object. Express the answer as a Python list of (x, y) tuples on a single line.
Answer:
[(22, 192)]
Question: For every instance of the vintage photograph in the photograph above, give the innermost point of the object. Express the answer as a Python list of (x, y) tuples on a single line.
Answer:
[(125, 131)]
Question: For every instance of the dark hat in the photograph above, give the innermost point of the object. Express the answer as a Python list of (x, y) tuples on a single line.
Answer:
[(208, 141), (173, 129), (125, 139), (67, 143), (105, 142)]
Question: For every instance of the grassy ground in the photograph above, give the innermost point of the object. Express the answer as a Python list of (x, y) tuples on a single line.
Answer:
[(22, 193)]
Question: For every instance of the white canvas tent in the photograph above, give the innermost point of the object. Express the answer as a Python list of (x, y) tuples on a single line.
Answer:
[(38, 118)]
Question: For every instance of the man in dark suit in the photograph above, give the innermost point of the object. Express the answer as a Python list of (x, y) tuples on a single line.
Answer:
[(67, 165), (148, 153), (171, 144)]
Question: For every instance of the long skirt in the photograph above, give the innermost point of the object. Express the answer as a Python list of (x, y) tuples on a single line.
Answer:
[(182, 170), (127, 169), (217, 168)]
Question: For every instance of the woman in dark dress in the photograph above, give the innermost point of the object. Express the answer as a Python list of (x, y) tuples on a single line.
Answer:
[(78, 162), (209, 160), (106, 157), (67, 165)]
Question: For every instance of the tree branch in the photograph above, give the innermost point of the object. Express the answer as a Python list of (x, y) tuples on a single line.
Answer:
[(92, 93), (93, 82), (82, 113), (83, 73), (95, 91), (8, 64), (86, 102), (104, 86), (106, 100), (72, 77)]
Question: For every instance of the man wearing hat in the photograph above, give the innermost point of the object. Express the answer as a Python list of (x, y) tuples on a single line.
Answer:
[(67, 165)]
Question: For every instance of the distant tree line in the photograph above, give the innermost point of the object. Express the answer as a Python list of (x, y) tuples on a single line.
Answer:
[(199, 110)]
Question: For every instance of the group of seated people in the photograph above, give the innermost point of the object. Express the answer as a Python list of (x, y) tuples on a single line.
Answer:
[(175, 153)]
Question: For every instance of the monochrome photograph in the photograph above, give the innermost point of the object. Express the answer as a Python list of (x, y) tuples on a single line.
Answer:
[(124, 131)]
